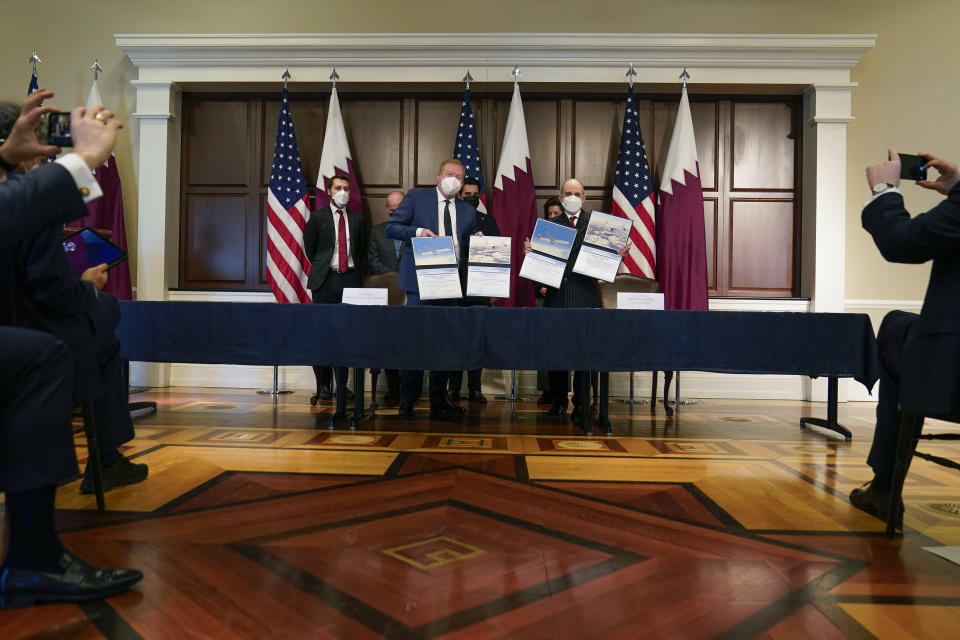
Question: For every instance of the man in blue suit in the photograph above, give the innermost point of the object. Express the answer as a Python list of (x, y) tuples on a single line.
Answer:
[(429, 212)]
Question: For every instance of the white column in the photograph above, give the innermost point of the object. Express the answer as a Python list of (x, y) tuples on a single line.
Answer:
[(826, 113), (158, 203)]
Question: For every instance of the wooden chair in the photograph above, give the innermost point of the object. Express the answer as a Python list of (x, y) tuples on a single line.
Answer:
[(396, 297), (608, 297), (911, 430)]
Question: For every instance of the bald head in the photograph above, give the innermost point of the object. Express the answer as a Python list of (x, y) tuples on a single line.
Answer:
[(393, 201), (571, 187)]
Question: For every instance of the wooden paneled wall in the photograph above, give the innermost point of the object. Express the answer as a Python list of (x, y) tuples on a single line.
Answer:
[(748, 148)]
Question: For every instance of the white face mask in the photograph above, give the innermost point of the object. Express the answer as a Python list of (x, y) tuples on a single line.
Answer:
[(572, 204), (450, 186), (341, 198)]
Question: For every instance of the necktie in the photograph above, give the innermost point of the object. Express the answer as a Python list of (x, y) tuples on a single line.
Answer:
[(573, 221), (342, 241), (448, 224)]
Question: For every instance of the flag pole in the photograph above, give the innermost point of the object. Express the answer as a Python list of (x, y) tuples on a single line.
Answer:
[(275, 391)]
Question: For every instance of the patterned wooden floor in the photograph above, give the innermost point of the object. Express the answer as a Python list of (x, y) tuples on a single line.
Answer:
[(726, 521)]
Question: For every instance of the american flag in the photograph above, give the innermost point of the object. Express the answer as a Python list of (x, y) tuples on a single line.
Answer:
[(287, 214), (34, 84), (467, 150), (633, 194)]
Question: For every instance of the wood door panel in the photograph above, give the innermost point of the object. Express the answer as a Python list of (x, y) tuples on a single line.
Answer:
[(761, 245), (711, 228), (436, 136), (596, 141), (217, 134), (542, 118), (762, 146), (374, 130), (214, 240)]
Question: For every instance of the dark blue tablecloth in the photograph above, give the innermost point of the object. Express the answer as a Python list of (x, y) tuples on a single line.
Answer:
[(449, 338)]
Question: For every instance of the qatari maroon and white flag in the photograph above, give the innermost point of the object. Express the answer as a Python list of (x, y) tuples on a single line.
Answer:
[(515, 199), (107, 213), (681, 238), (335, 158)]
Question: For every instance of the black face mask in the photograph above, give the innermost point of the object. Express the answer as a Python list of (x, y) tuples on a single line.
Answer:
[(473, 201)]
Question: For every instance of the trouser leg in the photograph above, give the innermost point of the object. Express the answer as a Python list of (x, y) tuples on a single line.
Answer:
[(455, 380), (892, 335), (474, 377)]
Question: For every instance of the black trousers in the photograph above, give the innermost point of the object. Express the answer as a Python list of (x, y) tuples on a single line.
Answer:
[(36, 379), (331, 292), (893, 334), (560, 386), (411, 382), (473, 380), (111, 405)]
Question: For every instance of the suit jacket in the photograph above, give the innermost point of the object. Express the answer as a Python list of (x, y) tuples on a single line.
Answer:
[(382, 253), (931, 373), (576, 290), (419, 210), (28, 203), (319, 239)]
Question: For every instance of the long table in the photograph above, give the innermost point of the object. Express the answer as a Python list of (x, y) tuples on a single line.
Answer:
[(833, 345)]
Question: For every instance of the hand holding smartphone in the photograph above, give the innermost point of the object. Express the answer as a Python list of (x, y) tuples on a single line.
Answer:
[(59, 132), (912, 167)]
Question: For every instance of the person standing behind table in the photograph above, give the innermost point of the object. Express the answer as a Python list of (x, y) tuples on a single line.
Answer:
[(470, 193), (430, 212), (922, 351), (335, 242), (551, 210), (575, 291), (383, 255)]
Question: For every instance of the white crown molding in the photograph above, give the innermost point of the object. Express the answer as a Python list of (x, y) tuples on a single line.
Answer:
[(615, 50)]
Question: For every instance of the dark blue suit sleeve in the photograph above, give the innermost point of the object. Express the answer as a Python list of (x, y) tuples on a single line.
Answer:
[(48, 277), (40, 197), (900, 238), (400, 226)]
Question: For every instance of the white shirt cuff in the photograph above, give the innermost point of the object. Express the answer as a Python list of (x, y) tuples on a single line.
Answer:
[(882, 193), (82, 176), (419, 231)]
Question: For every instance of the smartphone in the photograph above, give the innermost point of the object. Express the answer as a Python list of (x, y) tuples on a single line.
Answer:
[(59, 133), (911, 167), (86, 248)]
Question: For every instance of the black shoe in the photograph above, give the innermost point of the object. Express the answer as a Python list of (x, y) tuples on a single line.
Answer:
[(874, 502), (80, 581), (445, 408), (546, 398), (120, 473), (453, 396), (476, 396), (558, 409), (406, 410), (324, 392), (390, 400)]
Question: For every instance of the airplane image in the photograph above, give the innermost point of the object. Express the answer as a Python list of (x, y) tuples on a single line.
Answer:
[(433, 252), (546, 237)]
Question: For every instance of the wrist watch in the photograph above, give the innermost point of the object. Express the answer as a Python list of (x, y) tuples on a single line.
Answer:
[(880, 187)]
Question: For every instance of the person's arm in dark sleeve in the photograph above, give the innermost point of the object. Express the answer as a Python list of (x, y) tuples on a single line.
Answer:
[(311, 237), (27, 203), (374, 261), (900, 238), (49, 278), (398, 227)]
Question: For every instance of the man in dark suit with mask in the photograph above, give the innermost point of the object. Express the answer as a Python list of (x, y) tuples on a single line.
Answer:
[(470, 193), (919, 354), (575, 291), (335, 242), (429, 212)]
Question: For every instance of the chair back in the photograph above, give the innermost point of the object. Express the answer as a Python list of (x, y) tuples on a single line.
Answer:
[(627, 283), (396, 297)]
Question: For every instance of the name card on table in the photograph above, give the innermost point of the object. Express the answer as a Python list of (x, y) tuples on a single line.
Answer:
[(370, 296), (650, 301)]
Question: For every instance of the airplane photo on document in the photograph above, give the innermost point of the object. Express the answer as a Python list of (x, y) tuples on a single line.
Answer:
[(437, 250), (552, 239), (490, 250)]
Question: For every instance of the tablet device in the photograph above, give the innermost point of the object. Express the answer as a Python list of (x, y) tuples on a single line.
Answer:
[(86, 248)]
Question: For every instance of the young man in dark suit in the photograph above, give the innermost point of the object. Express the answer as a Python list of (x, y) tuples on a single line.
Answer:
[(576, 291), (335, 241), (919, 354), (429, 212)]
